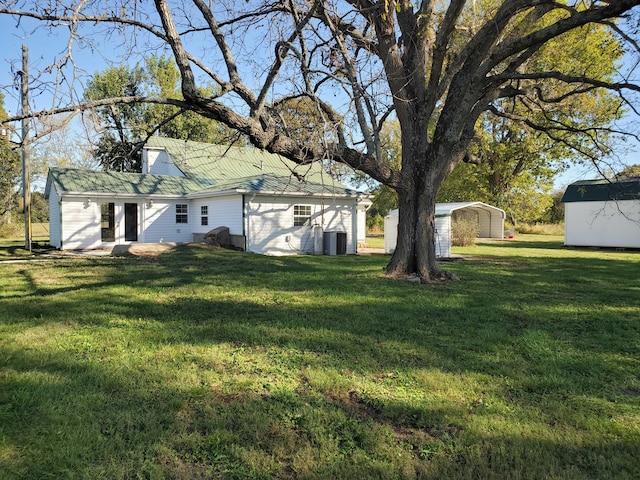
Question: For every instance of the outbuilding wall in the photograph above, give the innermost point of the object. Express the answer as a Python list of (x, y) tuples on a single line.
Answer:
[(490, 224), (602, 224), (362, 222), (442, 237)]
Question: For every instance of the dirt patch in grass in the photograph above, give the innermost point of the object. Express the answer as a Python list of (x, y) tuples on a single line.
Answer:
[(143, 249), (631, 392)]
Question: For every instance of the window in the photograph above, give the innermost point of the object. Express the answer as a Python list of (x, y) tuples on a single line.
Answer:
[(204, 215), (182, 215), (301, 215)]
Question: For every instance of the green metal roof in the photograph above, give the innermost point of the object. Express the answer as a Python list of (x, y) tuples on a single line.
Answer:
[(602, 190), (208, 169), (272, 183), (79, 180), (221, 162)]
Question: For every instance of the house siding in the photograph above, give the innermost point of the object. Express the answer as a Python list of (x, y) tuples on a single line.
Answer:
[(159, 162), (270, 229), (81, 224), (361, 216), (225, 211), (54, 219), (81, 228), (160, 222), (602, 224), (263, 221)]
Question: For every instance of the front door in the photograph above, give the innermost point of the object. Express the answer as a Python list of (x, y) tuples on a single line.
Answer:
[(131, 222), (108, 222)]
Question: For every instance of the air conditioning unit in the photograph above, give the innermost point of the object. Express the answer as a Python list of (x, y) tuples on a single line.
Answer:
[(334, 243)]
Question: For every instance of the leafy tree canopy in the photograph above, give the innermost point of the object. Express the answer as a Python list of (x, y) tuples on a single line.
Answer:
[(630, 171), (9, 172), (125, 128)]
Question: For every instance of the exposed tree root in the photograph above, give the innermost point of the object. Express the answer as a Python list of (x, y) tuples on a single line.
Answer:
[(434, 277)]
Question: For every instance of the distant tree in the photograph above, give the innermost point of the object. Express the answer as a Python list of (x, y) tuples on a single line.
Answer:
[(514, 170), (39, 208), (162, 79), (513, 161), (385, 198), (66, 146), (302, 118), (555, 213), (10, 168), (119, 147), (630, 171), (125, 128)]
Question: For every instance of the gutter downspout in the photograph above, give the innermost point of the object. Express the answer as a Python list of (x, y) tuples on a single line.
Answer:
[(247, 215)]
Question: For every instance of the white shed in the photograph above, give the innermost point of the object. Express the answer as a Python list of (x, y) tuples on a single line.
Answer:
[(601, 213), (490, 224)]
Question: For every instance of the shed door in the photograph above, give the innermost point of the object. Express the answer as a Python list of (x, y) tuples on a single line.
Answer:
[(131, 222)]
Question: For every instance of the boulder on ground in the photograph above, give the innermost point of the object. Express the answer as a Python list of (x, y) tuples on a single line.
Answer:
[(219, 236)]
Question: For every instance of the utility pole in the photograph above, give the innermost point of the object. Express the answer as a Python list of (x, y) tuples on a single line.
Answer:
[(26, 160)]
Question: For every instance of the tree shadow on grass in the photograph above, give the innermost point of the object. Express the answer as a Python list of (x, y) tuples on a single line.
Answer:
[(539, 333), (535, 244), (15, 249), (80, 419)]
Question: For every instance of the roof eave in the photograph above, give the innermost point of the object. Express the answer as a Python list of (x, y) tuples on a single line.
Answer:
[(270, 193), (123, 195), (275, 193)]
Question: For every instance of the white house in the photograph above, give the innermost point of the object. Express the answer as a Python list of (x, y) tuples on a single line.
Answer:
[(601, 213), (270, 205), (490, 224)]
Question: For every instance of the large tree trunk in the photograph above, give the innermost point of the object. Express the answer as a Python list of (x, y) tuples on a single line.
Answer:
[(415, 253), (423, 174)]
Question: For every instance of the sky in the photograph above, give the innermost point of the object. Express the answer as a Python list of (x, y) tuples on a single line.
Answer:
[(45, 47)]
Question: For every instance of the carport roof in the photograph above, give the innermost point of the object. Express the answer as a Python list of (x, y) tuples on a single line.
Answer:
[(446, 209)]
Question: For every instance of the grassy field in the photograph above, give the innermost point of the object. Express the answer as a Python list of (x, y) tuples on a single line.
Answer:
[(204, 363)]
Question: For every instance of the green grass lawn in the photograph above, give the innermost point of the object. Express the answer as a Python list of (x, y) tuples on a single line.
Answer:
[(375, 241), (11, 249), (205, 363)]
